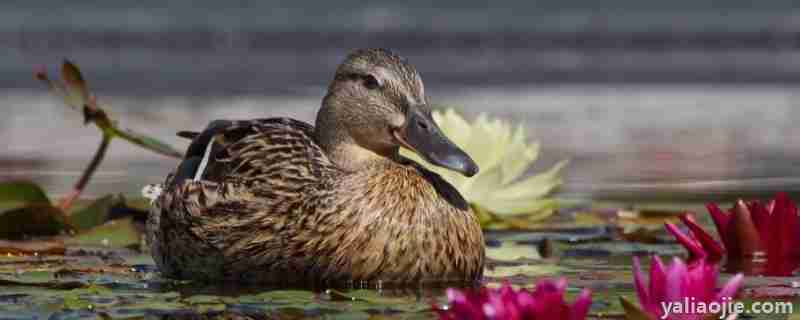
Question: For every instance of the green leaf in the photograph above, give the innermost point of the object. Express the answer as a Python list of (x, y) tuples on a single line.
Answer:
[(20, 193), (29, 211), (146, 142), (31, 220), (526, 270), (75, 298), (115, 233), (94, 214)]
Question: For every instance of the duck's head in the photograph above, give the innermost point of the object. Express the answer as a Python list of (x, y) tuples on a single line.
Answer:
[(376, 104)]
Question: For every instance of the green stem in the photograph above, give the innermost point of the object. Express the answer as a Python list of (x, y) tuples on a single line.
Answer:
[(87, 173)]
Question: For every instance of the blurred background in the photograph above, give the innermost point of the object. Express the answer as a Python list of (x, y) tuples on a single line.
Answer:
[(644, 97)]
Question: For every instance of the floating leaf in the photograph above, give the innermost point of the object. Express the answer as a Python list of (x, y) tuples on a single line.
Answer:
[(526, 270), (76, 298), (31, 220), (15, 193), (512, 252), (28, 211), (94, 214)]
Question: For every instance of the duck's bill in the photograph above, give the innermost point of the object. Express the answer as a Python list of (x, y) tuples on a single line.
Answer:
[(423, 136)]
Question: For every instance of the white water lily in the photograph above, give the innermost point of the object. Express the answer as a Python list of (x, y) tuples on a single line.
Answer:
[(503, 155)]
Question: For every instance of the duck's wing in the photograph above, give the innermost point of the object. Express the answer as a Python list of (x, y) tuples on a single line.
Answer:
[(272, 151)]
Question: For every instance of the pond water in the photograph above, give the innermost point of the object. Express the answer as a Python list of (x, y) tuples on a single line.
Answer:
[(89, 282), (119, 283), (653, 115), (664, 148)]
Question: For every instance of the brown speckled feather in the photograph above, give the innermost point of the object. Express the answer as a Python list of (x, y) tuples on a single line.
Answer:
[(272, 207)]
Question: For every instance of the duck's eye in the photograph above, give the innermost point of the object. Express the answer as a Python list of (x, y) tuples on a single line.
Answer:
[(370, 82)]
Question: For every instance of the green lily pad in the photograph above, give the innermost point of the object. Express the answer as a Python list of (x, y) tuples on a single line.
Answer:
[(13, 193), (31, 220), (527, 270), (95, 214), (512, 252)]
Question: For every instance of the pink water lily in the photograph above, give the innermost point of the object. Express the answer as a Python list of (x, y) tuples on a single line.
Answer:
[(678, 283), (546, 301), (753, 227), (750, 231)]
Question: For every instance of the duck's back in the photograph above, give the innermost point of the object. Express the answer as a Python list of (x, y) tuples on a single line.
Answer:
[(236, 178), (273, 150)]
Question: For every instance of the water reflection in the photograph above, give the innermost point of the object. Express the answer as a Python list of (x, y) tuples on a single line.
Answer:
[(624, 141)]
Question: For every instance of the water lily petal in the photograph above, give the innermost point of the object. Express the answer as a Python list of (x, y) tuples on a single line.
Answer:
[(520, 207), (658, 285), (712, 248), (580, 308), (722, 221), (514, 167), (461, 306), (638, 281), (760, 215), (743, 235), (701, 281), (696, 250), (676, 281), (731, 287), (784, 213), (535, 186)]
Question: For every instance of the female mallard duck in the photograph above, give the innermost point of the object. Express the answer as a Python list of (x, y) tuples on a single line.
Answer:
[(279, 200)]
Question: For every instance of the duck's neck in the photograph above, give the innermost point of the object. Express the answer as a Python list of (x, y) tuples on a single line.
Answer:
[(352, 157), (342, 149)]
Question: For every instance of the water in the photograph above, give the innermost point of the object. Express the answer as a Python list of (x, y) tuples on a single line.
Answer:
[(646, 96), (700, 141), (650, 100)]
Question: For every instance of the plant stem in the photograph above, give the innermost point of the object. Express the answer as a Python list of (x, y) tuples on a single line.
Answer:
[(87, 173)]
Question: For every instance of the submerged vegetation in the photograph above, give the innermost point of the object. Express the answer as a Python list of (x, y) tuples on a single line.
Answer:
[(83, 258)]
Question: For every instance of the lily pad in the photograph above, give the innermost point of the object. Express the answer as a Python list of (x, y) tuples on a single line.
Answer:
[(14, 193), (513, 252), (526, 270), (31, 220), (95, 214), (27, 211)]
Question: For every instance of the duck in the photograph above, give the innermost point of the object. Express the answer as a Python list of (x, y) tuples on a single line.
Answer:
[(278, 200)]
